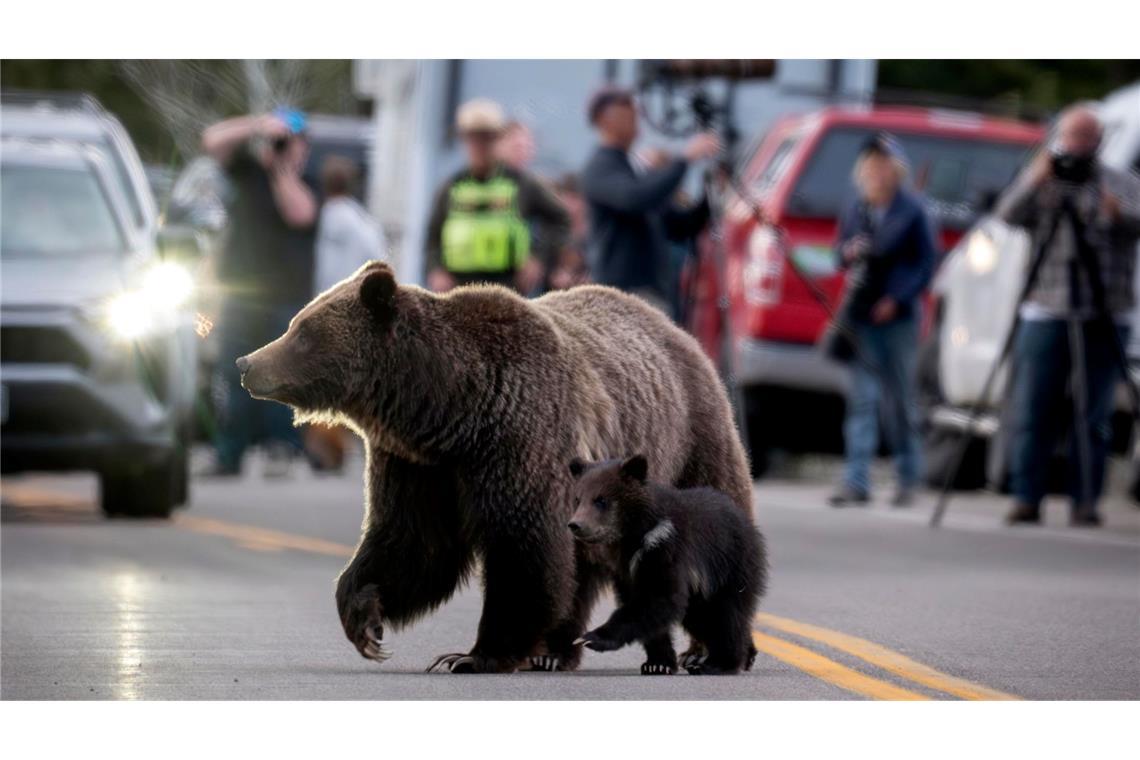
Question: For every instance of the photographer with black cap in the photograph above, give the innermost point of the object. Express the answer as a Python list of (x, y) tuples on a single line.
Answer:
[(1069, 175), (887, 243), (632, 213)]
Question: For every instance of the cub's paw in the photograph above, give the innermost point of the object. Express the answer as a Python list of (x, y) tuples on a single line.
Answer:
[(657, 669), (594, 640), (360, 615), (693, 658)]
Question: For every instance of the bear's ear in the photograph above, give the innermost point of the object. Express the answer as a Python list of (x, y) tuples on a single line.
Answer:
[(636, 467), (378, 293), (577, 467)]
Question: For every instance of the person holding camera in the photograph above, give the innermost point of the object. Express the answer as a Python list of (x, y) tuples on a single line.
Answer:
[(886, 241), (1068, 178), (632, 214), (491, 222), (265, 269)]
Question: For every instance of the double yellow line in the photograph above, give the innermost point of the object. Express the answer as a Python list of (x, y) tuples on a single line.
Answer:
[(807, 660), (869, 652)]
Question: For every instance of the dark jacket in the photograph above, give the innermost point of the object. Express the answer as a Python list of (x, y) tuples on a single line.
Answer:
[(631, 217), (902, 256)]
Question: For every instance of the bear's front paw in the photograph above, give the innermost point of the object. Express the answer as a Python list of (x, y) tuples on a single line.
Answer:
[(597, 642), (657, 669), (360, 616)]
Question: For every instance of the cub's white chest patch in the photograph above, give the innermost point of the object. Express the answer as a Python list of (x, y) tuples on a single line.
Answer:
[(657, 535)]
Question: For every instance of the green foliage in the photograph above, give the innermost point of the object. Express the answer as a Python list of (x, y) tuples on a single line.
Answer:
[(1041, 85)]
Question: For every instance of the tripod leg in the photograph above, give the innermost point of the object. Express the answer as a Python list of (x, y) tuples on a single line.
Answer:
[(1079, 389)]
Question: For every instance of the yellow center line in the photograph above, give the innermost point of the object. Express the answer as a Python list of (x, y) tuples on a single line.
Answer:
[(887, 659), (831, 671), (249, 536)]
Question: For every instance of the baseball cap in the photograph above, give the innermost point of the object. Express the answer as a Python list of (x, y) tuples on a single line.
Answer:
[(480, 115), (295, 120), (884, 144), (604, 98)]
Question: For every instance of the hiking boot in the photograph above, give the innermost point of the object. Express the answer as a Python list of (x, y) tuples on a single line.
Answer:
[(847, 496), (1023, 514), (904, 497)]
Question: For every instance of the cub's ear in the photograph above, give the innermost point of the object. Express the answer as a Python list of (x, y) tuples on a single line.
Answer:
[(577, 467), (636, 467), (378, 293)]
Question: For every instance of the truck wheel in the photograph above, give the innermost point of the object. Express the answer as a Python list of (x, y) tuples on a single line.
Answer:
[(147, 491)]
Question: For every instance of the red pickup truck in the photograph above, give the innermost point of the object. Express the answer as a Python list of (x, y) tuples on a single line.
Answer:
[(801, 174)]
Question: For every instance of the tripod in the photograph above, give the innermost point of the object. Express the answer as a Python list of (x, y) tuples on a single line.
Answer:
[(1085, 260)]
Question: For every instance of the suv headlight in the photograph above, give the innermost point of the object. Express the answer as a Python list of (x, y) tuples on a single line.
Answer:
[(153, 306)]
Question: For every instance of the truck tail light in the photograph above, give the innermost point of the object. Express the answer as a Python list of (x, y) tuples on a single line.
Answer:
[(763, 275)]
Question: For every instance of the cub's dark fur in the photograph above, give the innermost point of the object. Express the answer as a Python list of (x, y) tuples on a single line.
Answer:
[(685, 556)]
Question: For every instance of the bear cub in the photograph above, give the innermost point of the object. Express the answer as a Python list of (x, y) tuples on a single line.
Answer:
[(687, 556)]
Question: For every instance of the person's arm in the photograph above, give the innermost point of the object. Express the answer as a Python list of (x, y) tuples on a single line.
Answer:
[(433, 240), (220, 141), (1018, 204), (547, 216), (292, 196), (615, 186), (917, 271)]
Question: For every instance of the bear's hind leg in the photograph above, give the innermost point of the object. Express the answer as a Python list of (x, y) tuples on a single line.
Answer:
[(726, 630)]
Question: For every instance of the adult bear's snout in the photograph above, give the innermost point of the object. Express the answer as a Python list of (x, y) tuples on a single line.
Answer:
[(242, 364)]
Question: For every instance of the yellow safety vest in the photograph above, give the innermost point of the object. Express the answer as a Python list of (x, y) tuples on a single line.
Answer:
[(483, 231)]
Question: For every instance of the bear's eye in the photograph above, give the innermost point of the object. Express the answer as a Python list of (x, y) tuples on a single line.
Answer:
[(601, 503)]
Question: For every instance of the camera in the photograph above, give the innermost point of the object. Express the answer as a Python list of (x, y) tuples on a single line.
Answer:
[(280, 144), (1069, 167)]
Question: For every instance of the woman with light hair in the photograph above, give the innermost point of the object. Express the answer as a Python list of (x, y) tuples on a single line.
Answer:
[(887, 235)]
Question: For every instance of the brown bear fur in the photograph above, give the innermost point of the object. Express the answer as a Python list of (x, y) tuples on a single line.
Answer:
[(470, 404)]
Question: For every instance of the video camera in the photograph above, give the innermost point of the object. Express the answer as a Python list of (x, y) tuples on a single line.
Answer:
[(1069, 167)]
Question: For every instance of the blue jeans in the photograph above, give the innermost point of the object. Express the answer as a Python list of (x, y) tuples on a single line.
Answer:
[(883, 376), (244, 420), (1043, 409)]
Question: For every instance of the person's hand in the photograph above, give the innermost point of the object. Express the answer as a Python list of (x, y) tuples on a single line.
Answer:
[(440, 281), (884, 310), (855, 247), (529, 276), (702, 146), (653, 158), (1110, 207)]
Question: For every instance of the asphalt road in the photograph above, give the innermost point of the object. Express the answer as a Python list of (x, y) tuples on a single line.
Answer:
[(233, 600)]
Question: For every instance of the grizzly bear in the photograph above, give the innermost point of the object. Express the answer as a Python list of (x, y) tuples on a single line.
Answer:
[(470, 404), (685, 556)]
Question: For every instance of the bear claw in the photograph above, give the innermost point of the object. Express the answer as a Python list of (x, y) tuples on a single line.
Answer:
[(546, 662), (456, 662), (657, 669)]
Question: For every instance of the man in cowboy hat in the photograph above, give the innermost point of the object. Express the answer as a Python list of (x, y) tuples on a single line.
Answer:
[(491, 222)]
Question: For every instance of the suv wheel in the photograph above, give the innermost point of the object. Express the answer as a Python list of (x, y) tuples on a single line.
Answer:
[(146, 491)]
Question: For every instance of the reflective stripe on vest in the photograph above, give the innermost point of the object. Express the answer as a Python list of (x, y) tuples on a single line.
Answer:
[(483, 231)]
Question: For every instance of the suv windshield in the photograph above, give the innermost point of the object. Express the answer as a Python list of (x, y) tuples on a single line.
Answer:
[(52, 211), (956, 174)]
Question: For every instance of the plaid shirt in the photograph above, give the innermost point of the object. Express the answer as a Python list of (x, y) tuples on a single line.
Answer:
[(1114, 240)]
